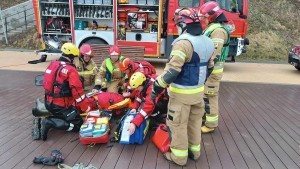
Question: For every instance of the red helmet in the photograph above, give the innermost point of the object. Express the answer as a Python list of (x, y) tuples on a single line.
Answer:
[(210, 10), (114, 50), (86, 49), (185, 15), (126, 64)]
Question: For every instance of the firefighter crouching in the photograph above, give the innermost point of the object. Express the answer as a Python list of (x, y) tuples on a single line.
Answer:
[(87, 68), (129, 67), (143, 103), (186, 73), (63, 88), (220, 35), (110, 77)]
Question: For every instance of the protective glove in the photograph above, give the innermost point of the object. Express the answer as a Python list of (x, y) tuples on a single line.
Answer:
[(104, 89), (55, 158), (156, 89), (97, 87)]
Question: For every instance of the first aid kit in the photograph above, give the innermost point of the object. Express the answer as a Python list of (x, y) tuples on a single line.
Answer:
[(94, 129)]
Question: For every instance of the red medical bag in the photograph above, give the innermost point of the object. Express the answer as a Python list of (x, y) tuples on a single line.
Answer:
[(161, 138), (94, 130)]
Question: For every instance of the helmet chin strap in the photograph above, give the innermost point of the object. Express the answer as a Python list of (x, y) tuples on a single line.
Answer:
[(181, 27)]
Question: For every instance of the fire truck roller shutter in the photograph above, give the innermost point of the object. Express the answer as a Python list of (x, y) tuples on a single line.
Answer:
[(94, 41)]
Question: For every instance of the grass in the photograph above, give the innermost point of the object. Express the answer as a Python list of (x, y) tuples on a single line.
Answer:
[(273, 29), (8, 3)]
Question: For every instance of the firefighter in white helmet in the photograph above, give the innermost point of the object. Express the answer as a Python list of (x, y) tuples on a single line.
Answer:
[(185, 73)]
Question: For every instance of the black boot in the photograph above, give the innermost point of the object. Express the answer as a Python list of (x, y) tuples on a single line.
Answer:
[(36, 129), (48, 123)]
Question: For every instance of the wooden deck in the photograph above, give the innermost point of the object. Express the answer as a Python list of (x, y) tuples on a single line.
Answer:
[(259, 128)]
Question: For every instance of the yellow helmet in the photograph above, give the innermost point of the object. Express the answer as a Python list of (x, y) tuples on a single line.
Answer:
[(70, 49), (137, 79)]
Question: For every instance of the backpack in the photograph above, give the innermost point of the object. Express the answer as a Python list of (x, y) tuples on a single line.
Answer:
[(145, 67), (50, 75)]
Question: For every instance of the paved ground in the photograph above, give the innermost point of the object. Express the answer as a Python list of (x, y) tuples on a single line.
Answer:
[(234, 72)]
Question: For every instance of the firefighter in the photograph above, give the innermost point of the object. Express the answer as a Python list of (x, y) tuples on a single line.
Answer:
[(62, 88), (86, 66), (220, 35), (110, 77), (185, 72), (144, 104), (129, 67)]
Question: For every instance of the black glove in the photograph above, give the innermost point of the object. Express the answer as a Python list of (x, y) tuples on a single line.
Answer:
[(56, 157), (103, 89), (97, 87), (156, 89)]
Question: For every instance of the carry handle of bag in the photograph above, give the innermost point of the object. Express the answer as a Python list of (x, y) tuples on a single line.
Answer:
[(163, 128)]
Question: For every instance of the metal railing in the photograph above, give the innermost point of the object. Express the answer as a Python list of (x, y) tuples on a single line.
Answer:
[(19, 16)]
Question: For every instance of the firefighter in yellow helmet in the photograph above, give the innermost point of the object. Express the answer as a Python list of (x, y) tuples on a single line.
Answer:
[(64, 95), (185, 73), (220, 35)]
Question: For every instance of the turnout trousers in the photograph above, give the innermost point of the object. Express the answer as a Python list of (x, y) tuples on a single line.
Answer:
[(211, 98), (184, 126)]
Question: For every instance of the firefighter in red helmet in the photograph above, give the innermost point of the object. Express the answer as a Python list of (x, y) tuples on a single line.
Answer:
[(86, 66), (185, 73), (110, 77), (220, 35), (63, 93), (129, 67)]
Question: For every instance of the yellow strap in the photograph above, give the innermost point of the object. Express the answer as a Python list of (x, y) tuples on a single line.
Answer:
[(194, 147), (217, 70), (212, 118), (179, 153), (186, 90), (86, 72), (102, 69), (178, 53)]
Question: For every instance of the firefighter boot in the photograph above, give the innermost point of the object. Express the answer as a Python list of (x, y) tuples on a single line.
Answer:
[(205, 129), (36, 129), (168, 157), (48, 123)]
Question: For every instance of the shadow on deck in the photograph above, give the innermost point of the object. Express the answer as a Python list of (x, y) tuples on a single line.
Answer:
[(259, 127)]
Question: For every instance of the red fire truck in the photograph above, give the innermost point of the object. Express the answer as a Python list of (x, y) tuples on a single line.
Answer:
[(146, 23)]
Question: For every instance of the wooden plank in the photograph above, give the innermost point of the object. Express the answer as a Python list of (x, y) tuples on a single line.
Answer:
[(139, 154), (43, 150), (250, 135), (125, 157), (202, 161), (280, 143), (100, 156), (221, 148), (113, 156), (282, 157), (132, 52), (151, 154), (211, 152), (239, 140)]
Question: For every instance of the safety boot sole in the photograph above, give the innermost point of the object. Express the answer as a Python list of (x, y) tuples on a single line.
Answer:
[(44, 130), (36, 129)]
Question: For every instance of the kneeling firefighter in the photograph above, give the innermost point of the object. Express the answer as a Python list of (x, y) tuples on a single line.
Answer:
[(143, 103), (186, 72), (63, 91)]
